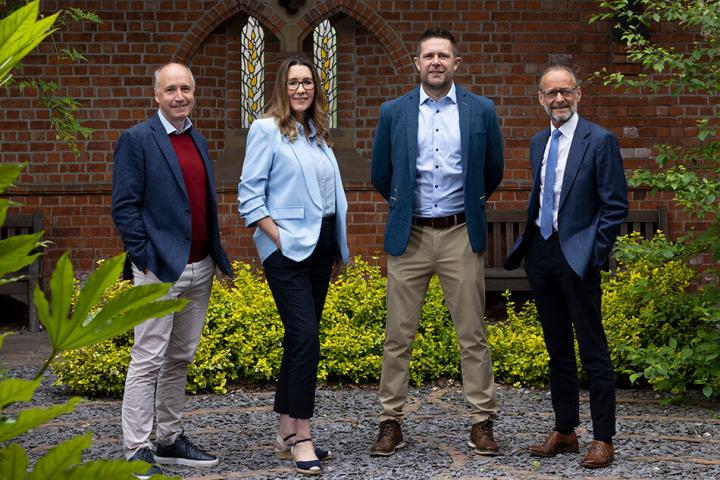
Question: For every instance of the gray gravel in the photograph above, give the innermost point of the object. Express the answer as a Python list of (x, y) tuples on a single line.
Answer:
[(654, 440)]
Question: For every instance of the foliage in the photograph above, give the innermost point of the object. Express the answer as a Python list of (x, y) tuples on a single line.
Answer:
[(20, 33), (242, 340), (84, 325), (692, 173), (518, 347)]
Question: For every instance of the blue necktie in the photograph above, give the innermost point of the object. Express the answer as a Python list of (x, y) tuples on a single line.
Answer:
[(546, 212)]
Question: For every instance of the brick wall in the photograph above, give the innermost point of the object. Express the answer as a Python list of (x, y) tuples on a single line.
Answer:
[(504, 45)]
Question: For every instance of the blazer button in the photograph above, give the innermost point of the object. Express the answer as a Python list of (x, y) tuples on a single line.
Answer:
[(187, 212)]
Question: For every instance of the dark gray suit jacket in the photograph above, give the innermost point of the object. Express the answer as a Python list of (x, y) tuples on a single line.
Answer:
[(150, 205)]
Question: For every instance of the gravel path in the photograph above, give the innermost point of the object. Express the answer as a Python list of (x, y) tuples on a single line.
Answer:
[(654, 440)]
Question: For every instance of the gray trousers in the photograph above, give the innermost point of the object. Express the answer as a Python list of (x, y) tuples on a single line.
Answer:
[(164, 347)]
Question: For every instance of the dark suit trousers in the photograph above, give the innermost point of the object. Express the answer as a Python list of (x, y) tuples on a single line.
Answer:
[(299, 290), (564, 300)]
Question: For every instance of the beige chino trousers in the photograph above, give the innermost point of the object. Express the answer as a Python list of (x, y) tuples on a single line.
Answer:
[(163, 349), (446, 252)]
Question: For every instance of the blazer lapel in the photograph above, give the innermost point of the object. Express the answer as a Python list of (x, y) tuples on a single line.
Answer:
[(163, 141), (300, 150), (411, 127), (464, 115), (575, 157)]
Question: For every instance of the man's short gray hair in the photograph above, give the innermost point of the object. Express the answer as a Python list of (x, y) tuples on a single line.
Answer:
[(156, 74), (555, 68)]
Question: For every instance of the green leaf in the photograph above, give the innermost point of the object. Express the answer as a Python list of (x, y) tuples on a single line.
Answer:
[(13, 462), (61, 290), (16, 390), (15, 252), (60, 458), (708, 391), (96, 284), (28, 419), (108, 470), (9, 172)]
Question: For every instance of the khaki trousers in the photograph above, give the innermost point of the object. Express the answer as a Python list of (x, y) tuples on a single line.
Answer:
[(163, 349), (447, 253)]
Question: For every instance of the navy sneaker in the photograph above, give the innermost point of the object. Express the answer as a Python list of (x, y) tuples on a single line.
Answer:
[(146, 455), (184, 452)]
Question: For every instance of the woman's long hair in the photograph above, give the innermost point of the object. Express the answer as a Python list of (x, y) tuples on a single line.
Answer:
[(279, 107)]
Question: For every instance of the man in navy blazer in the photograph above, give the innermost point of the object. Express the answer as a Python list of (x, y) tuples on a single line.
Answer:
[(437, 158), (164, 205), (577, 204)]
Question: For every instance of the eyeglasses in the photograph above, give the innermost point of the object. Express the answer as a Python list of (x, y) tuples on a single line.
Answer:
[(565, 92), (307, 84)]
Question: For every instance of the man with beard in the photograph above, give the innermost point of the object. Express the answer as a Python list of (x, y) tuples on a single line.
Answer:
[(437, 158), (576, 206)]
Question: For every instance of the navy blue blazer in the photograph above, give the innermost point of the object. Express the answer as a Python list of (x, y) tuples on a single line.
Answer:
[(593, 198), (394, 163), (150, 205)]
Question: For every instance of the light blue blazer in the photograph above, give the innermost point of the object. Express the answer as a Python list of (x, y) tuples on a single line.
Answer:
[(277, 180)]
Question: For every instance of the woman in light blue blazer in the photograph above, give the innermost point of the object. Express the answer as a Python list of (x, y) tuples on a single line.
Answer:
[(290, 189)]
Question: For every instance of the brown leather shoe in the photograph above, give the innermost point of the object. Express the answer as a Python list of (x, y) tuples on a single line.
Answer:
[(481, 439), (599, 455), (555, 443), (389, 439)]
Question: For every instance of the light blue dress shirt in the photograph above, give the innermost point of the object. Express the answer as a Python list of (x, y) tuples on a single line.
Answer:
[(323, 168), (439, 177), (564, 143)]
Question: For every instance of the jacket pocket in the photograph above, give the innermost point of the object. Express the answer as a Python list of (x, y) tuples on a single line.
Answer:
[(287, 213)]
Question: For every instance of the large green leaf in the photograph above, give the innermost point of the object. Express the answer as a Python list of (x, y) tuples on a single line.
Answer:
[(123, 312), (28, 419), (20, 33), (92, 291), (17, 390), (60, 458), (97, 331), (15, 252), (9, 172), (13, 462), (108, 470)]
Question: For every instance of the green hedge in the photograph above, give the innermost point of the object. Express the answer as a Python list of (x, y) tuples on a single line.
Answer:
[(644, 304)]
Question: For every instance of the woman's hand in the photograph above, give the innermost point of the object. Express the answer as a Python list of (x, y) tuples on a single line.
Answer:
[(268, 226)]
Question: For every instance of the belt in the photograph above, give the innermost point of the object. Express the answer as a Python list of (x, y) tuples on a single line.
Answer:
[(440, 222)]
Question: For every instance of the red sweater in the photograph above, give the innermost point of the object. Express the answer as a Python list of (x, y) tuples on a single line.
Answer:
[(193, 171)]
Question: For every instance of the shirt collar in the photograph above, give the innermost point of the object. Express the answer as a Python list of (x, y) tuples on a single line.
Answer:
[(311, 127), (170, 129), (451, 95), (567, 128)]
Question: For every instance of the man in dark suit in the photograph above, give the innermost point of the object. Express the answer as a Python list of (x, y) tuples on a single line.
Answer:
[(165, 207), (437, 158), (577, 204)]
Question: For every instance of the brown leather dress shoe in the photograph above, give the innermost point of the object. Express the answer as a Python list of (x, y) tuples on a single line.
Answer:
[(481, 439), (555, 443), (599, 455), (389, 439)]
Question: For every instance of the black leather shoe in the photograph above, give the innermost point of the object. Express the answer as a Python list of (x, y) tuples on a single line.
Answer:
[(146, 455), (184, 452)]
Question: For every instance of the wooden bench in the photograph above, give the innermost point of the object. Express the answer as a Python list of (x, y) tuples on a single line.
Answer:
[(504, 226), (22, 289)]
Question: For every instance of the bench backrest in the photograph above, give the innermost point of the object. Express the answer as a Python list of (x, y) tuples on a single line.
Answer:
[(505, 226)]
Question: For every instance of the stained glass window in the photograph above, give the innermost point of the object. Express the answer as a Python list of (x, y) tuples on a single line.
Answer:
[(253, 71), (325, 57)]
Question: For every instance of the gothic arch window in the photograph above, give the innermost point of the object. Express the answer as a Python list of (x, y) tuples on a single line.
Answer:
[(253, 71), (325, 58)]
